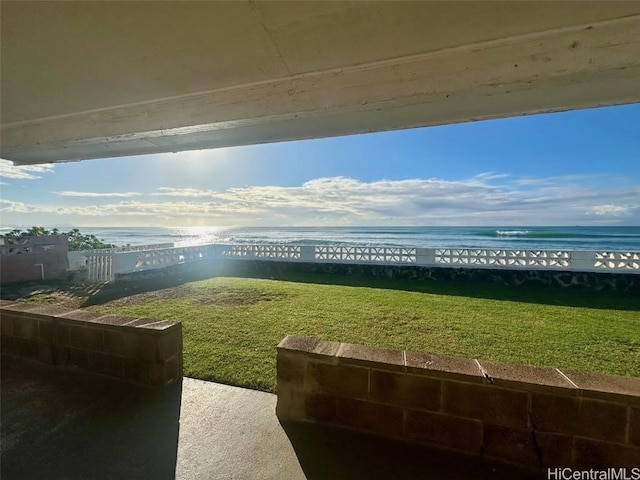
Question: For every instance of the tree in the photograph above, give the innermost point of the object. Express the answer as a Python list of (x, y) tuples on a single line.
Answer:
[(77, 240), (37, 231)]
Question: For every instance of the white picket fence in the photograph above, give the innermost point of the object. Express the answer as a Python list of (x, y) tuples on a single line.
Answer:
[(104, 265)]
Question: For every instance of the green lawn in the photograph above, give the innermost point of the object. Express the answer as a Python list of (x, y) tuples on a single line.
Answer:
[(232, 325)]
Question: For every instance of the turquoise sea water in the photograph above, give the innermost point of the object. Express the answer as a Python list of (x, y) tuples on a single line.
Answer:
[(566, 238)]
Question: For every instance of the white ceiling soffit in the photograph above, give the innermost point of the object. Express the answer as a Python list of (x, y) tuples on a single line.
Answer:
[(87, 80)]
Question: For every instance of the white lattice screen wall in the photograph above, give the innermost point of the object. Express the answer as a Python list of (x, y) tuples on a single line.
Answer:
[(503, 258), (366, 254), (618, 260), (104, 265), (291, 252), (170, 256)]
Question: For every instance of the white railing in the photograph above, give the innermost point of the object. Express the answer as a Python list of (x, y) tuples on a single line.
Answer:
[(103, 266), (99, 267)]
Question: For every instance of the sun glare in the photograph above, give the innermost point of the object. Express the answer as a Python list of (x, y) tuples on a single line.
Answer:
[(199, 156), (187, 236)]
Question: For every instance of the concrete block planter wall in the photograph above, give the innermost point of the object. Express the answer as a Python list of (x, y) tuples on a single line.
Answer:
[(529, 416), (140, 350)]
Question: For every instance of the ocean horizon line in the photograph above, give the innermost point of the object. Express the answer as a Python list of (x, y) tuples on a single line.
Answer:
[(619, 238)]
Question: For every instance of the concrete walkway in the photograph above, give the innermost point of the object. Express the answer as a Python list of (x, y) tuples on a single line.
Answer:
[(61, 424)]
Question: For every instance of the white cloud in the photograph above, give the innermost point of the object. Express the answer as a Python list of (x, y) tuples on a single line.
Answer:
[(9, 206), (489, 199), (68, 193), (23, 172), (184, 192), (613, 210)]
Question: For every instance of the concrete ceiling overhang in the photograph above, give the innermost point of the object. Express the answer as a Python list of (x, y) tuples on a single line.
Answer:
[(84, 80)]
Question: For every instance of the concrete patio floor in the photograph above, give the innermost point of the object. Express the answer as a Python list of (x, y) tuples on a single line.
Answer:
[(62, 424)]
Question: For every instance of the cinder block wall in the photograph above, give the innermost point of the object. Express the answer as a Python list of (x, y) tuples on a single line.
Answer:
[(141, 350), (597, 281), (34, 258), (533, 417)]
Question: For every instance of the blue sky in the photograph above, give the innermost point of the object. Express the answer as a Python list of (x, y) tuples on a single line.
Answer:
[(571, 168)]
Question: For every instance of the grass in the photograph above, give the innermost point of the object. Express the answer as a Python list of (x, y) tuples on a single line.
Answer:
[(232, 325)]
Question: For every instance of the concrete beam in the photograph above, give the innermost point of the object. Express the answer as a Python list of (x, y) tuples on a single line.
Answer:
[(574, 67)]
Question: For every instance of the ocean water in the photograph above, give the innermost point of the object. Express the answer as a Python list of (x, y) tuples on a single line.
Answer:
[(565, 238)]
